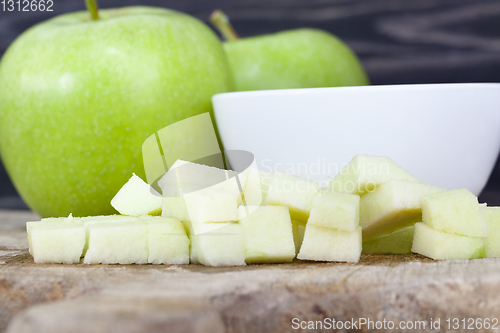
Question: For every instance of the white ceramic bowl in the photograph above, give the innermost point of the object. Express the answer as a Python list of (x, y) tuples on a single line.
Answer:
[(444, 134)]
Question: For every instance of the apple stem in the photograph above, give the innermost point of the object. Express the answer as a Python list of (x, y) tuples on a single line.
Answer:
[(93, 9), (221, 22)]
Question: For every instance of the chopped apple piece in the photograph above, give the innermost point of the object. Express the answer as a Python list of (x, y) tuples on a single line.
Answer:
[(167, 241), (294, 192), (323, 244), (492, 241), (257, 182), (365, 172), (175, 207), (223, 246), (396, 242), (267, 234), (117, 243), (335, 210), (212, 205), (392, 205), (56, 242), (47, 221), (455, 211), (90, 220), (137, 198), (298, 234), (440, 245)]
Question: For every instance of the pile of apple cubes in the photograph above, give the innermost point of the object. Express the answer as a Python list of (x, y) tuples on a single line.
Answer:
[(373, 205)]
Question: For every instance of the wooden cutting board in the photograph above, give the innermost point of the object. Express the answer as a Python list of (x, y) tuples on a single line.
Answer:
[(254, 298)]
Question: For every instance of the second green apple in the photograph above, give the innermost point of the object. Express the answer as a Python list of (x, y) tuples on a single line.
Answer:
[(301, 58)]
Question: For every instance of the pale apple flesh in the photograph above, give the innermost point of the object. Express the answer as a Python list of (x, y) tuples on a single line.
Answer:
[(396, 242), (335, 210), (492, 241)]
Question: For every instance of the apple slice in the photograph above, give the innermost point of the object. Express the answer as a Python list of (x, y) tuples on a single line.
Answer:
[(222, 246), (212, 206), (55, 242), (167, 241), (117, 243), (293, 192), (46, 221), (335, 210), (175, 207), (267, 234), (455, 211), (323, 244), (398, 241), (492, 241), (440, 245), (298, 234), (90, 220), (257, 184), (365, 172), (137, 198), (391, 205)]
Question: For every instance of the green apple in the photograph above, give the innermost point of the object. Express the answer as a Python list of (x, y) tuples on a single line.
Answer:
[(302, 58), (492, 241), (78, 97)]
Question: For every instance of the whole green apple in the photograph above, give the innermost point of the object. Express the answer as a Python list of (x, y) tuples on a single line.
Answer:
[(78, 97), (302, 58)]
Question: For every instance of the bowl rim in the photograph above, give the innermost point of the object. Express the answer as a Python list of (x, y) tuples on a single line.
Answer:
[(336, 90)]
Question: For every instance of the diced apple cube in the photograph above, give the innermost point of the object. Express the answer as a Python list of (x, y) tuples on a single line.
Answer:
[(335, 210), (268, 235), (324, 244), (47, 221), (492, 241), (392, 205), (223, 246), (440, 245), (137, 198), (253, 193), (212, 205), (455, 211), (365, 172), (175, 207), (56, 242), (117, 243), (90, 220), (398, 241), (298, 234), (167, 241), (293, 192)]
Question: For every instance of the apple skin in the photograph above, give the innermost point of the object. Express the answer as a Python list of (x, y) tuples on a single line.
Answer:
[(302, 58), (79, 97)]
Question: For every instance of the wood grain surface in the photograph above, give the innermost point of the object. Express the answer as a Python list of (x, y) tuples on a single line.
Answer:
[(253, 298), (398, 41)]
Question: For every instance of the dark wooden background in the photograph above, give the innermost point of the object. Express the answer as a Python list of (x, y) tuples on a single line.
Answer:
[(398, 41)]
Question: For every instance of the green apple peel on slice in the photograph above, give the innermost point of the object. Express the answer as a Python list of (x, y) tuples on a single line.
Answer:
[(137, 198), (323, 244), (396, 242), (492, 241), (455, 211), (268, 235), (293, 192), (365, 172), (392, 205), (335, 210), (440, 245), (298, 234)]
